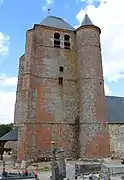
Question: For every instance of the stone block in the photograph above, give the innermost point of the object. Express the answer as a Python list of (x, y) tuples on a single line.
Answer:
[(88, 168), (112, 169), (24, 164), (70, 171), (17, 165)]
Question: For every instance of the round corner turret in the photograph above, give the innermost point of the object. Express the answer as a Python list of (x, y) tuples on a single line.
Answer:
[(89, 27), (87, 23)]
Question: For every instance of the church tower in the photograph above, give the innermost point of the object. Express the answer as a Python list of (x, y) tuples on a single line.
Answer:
[(94, 133), (46, 101), (60, 93)]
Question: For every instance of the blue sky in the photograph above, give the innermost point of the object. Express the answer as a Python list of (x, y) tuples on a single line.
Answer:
[(18, 16)]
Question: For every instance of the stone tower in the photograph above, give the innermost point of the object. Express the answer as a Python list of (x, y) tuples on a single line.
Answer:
[(60, 93), (46, 103), (94, 133)]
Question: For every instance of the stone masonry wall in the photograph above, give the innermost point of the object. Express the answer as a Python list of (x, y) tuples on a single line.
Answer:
[(21, 101), (21, 95), (94, 136), (46, 111), (52, 108), (117, 139)]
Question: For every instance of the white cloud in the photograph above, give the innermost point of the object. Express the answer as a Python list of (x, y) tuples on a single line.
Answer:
[(107, 90), (47, 5), (7, 99), (4, 46), (90, 2), (8, 81), (4, 40), (109, 17)]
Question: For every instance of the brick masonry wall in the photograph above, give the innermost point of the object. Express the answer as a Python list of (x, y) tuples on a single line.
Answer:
[(50, 108), (116, 132), (36, 139), (94, 136)]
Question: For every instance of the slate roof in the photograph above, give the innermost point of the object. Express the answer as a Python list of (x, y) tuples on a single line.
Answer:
[(86, 21), (115, 109), (56, 22), (10, 136)]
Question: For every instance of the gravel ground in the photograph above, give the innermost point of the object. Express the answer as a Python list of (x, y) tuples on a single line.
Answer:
[(44, 175)]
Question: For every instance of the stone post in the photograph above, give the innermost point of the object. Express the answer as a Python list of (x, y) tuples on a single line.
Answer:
[(4, 165), (55, 168), (62, 165)]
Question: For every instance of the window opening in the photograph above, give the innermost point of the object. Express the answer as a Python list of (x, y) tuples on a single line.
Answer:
[(61, 68), (67, 41), (60, 81), (57, 40)]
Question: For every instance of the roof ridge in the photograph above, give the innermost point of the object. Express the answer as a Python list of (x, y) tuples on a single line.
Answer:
[(55, 17), (115, 96)]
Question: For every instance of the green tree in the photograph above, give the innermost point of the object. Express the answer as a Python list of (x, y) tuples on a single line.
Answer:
[(5, 128)]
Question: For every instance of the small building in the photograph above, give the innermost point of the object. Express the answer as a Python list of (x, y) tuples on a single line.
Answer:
[(115, 111)]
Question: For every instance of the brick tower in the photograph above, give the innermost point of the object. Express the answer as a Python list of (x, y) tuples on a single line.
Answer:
[(94, 133), (60, 93)]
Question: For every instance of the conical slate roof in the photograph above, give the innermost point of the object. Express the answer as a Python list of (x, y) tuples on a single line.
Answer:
[(56, 22), (86, 21)]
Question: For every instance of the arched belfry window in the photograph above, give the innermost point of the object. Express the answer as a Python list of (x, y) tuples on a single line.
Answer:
[(66, 41), (57, 40)]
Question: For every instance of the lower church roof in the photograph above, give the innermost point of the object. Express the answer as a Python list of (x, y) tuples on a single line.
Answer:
[(10, 136), (115, 109)]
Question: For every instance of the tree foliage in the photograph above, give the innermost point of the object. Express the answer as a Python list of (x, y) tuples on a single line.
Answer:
[(5, 128)]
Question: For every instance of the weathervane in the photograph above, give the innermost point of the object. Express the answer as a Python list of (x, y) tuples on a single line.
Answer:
[(49, 11)]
